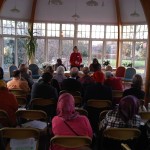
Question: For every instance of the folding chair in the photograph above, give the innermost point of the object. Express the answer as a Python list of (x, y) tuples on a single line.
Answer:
[(19, 134), (113, 137), (82, 111), (74, 93), (71, 141), (78, 101), (18, 92), (117, 95), (125, 146)]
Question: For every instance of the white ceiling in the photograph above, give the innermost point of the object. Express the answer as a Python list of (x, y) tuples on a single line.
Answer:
[(63, 13)]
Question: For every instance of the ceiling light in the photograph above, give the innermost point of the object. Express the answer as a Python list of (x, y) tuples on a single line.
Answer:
[(15, 10), (92, 3), (55, 2), (75, 16), (134, 14)]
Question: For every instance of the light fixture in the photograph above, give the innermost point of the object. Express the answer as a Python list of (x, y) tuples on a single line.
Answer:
[(75, 16), (55, 2), (92, 3), (134, 14), (15, 10)]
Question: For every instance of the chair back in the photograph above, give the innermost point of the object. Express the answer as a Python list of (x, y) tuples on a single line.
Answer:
[(117, 95), (102, 104), (71, 141), (47, 105), (4, 118), (74, 93), (19, 134), (122, 133), (145, 115), (82, 111), (11, 69), (125, 146), (120, 71), (103, 114), (78, 100), (18, 92), (22, 101), (130, 72)]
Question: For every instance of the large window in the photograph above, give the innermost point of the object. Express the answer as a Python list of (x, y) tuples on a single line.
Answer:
[(67, 30), (128, 32), (22, 28), (39, 29), (83, 31), (9, 27), (111, 32), (53, 29), (98, 31)]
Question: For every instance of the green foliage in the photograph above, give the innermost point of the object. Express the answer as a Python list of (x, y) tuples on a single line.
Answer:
[(30, 44), (106, 62), (127, 64)]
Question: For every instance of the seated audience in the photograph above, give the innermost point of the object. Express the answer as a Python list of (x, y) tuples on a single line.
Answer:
[(8, 103), (109, 68), (43, 88), (136, 87), (60, 76), (113, 82), (17, 83), (68, 121), (72, 83), (59, 63), (24, 74), (98, 75), (93, 64), (123, 116)]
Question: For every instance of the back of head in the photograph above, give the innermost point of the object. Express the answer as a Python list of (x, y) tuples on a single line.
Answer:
[(108, 74), (97, 67), (16, 73), (137, 81), (86, 70), (49, 69), (1, 73), (2, 85), (95, 61), (128, 107), (46, 77), (59, 61), (23, 68), (74, 72), (60, 70), (66, 107)]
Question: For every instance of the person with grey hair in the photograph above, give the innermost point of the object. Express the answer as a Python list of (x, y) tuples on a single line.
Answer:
[(60, 76), (74, 73)]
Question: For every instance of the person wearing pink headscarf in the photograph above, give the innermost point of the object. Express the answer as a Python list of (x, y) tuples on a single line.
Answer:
[(125, 116), (68, 121)]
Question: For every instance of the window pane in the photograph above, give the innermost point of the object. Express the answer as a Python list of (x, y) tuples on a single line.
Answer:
[(83, 31), (97, 31), (21, 51), (97, 48), (53, 46), (67, 30), (128, 32), (9, 27), (66, 51), (140, 56), (53, 30), (141, 32), (39, 29), (9, 52), (127, 52), (111, 52), (40, 53), (83, 49), (22, 28), (111, 32)]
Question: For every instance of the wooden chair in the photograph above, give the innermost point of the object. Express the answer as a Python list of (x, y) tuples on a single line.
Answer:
[(22, 101), (120, 135), (82, 111), (125, 146), (4, 118), (47, 105), (74, 93), (19, 134), (95, 107), (117, 95), (103, 114), (102, 104), (78, 100), (145, 116), (71, 141), (18, 92)]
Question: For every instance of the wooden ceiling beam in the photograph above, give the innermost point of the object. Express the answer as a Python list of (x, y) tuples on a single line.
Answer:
[(33, 12), (119, 23), (1, 4)]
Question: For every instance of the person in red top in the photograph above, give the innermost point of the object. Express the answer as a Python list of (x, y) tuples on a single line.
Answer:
[(8, 102), (75, 58)]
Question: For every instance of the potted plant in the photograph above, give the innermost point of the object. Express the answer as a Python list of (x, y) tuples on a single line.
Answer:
[(127, 64), (30, 45), (106, 63)]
